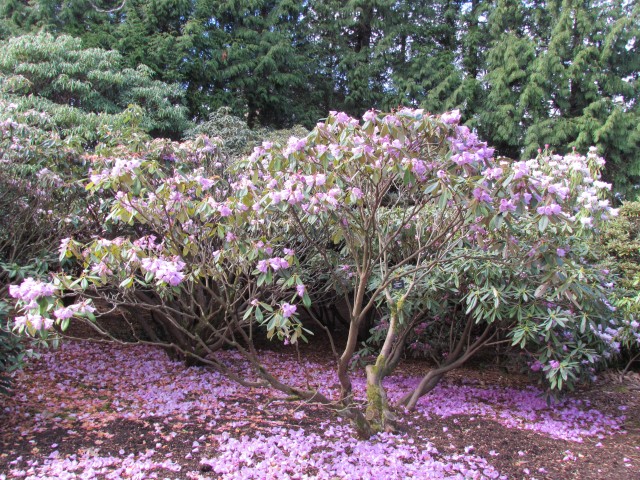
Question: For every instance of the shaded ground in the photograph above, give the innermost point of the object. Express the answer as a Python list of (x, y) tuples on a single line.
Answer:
[(103, 411)]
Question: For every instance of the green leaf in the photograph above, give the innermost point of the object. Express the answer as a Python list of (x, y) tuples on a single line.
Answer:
[(408, 177), (431, 188), (543, 223)]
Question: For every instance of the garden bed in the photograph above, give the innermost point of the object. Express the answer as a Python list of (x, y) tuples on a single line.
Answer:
[(106, 411)]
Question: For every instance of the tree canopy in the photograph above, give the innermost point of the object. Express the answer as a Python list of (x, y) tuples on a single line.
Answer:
[(81, 87), (524, 74)]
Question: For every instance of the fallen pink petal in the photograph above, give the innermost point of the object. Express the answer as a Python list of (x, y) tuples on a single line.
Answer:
[(91, 410)]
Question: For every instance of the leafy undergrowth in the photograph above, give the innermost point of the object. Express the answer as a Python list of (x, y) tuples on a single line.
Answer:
[(94, 410)]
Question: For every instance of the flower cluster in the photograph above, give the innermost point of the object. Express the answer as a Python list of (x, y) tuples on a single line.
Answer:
[(168, 271), (32, 322), (31, 289), (81, 308), (274, 263)]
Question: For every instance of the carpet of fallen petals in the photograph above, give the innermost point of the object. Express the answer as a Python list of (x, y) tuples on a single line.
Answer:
[(92, 410)]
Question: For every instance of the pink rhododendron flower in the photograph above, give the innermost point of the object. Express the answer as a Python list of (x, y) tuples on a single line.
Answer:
[(168, 271), (507, 205), (485, 153), (493, 173), (31, 289), (277, 263), (341, 117), (63, 313), (295, 145), (587, 221), (551, 209), (288, 310), (369, 116), (536, 366), (481, 195), (172, 277), (206, 183), (356, 193), (451, 118), (37, 322)]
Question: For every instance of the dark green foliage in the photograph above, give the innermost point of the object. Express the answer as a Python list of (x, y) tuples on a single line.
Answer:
[(621, 245), (11, 351), (587, 79), (238, 138), (619, 251), (75, 85), (524, 74)]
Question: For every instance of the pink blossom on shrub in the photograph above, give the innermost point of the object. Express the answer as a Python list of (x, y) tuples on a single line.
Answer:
[(356, 193), (507, 205), (451, 118), (225, 211), (288, 310), (369, 115), (549, 210), (31, 289), (493, 173), (481, 195), (276, 263), (63, 313)]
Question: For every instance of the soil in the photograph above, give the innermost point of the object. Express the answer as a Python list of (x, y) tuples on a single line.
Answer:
[(516, 453)]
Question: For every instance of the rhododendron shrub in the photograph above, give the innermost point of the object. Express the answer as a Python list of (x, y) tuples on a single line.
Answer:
[(475, 303), (400, 198), (30, 190), (394, 214), (618, 250), (42, 198), (180, 257)]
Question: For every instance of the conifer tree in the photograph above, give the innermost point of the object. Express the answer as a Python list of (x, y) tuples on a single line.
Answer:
[(504, 117), (56, 75), (590, 72), (524, 74)]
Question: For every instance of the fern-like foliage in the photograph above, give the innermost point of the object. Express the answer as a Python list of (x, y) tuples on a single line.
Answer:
[(83, 88)]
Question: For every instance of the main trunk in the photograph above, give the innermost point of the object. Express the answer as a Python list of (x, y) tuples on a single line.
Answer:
[(378, 414)]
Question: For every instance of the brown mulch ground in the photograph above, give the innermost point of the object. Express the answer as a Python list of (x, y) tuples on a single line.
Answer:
[(514, 452)]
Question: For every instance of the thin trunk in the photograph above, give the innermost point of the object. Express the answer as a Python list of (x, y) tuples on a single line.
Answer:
[(378, 413)]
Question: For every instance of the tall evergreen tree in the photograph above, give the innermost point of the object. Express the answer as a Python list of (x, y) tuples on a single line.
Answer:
[(244, 58), (504, 116), (58, 76), (524, 74), (591, 72)]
